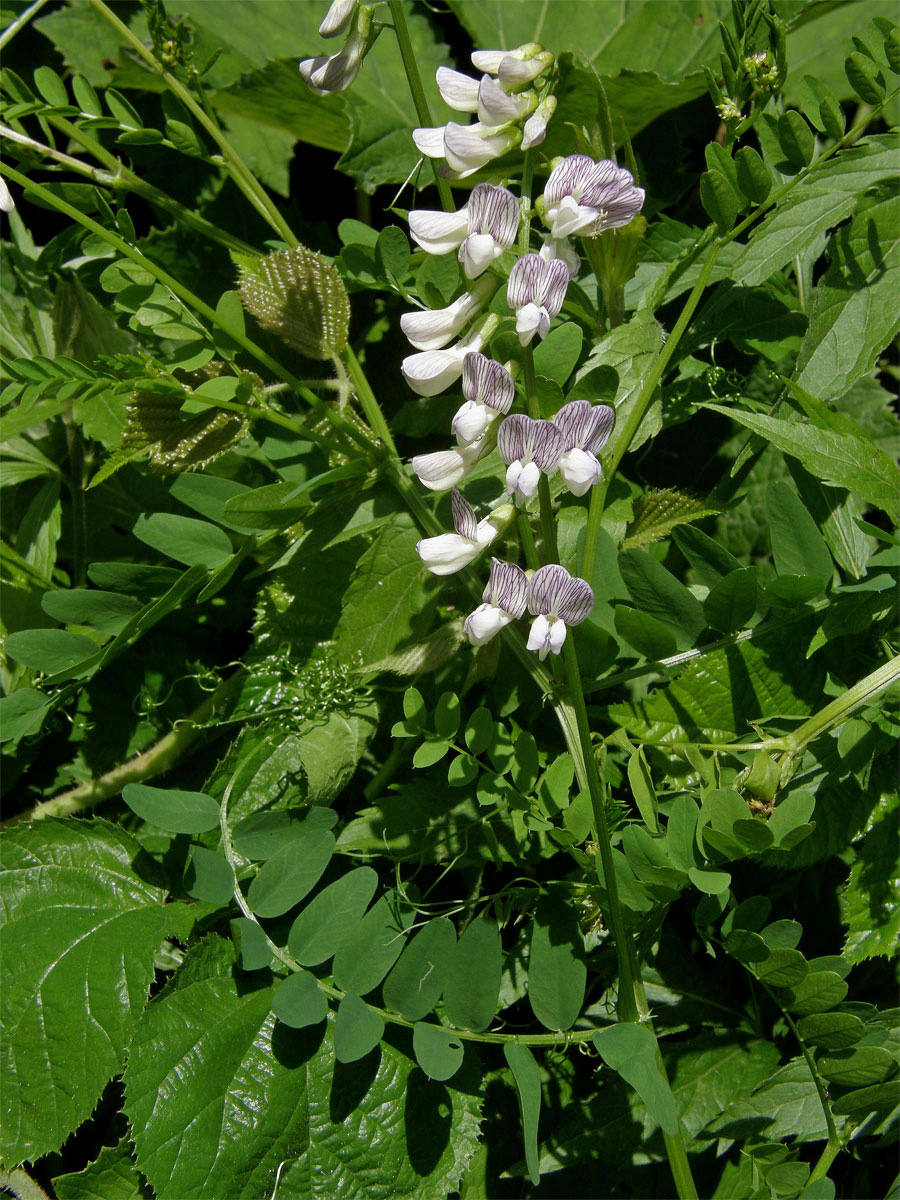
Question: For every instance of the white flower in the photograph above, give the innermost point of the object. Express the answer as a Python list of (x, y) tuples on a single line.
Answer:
[(433, 371), (7, 204), (335, 72), (482, 230), (444, 468), (535, 128), (489, 391), (563, 249), (556, 599), (430, 329), (536, 291), (458, 91), (585, 428), (515, 68), (496, 107), (337, 18), (504, 601), (586, 197), (527, 447), (467, 148), (450, 552)]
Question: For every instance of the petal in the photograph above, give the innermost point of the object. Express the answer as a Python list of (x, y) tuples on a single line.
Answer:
[(569, 178), (488, 60), (7, 204), (547, 445), (507, 587), (457, 90), (527, 483), (471, 422), (430, 141), (574, 422), (442, 469), (438, 232), (447, 553), (513, 471), (463, 516), (511, 437), (337, 18), (432, 371), (484, 623), (528, 322), (603, 418), (430, 329), (514, 73), (580, 470), (556, 286), (539, 636), (624, 209), (562, 249), (576, 601), (494, 210), (477, 253), (486, 382), (556, 636), (545, 588), (496, 107), (467, 148), (535, 129), (526, 281)]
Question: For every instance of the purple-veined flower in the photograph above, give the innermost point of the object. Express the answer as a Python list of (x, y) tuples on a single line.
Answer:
[(486, 97), (337, 18), (443, 469), (514, 68), (504, 601), (527, 447), (535, 128), (586, 197), (335, 72), (585, 428), (467, 148), (489, 391), (432, 328), (483, 229), (433, 371), (450, 552), (536, 290), (556, 600)]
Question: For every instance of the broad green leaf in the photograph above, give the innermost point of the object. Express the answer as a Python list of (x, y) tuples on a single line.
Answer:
[(790, 1104), (881, 1096), (837, 458), (438, 1051), (831, 1030), (371, 948), (720, 199), (681, 833), (656, 592), (50, 650), (712, 883), (111, 1176), (245, 1099), (357, 1029), (249, 938), (291, 873), (819, 202), (209, 877), (783, 969), (171, 809), (555, 357), (479, 730), (631, 1051), (710, 561), (331, 917), (818, 992), (416, 981), (796, 139), (870, 902), (527, 1076), (109, 612), (629, 350), (22, 713), (641, 783), (556, 966), (732, 601), (787, 1179), (134, 578), (264, 834), (188, 541), (860, 1066), (797, 545), (387, 603), (646, 634), (472, 986), (299, 1001), (78, 964), (853, 317)]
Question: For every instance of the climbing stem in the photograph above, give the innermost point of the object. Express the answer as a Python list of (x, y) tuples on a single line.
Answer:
[(624, 436), (423, 112)]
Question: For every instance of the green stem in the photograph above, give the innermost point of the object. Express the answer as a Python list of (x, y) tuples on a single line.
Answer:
[(624, 438), (525, 203), (240, 173), (13, 28), (423, 112), (526, 535), (548, 527), (369, 401), (76, 491)]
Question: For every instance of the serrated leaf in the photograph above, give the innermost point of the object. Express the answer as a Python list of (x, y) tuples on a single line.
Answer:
[(870, 902), (78, 964), (656, 514), (111, 1176), (298, 295)]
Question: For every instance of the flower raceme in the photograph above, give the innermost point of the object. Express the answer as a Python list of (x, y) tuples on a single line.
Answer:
[(450, 552), (489, 391), (585, 197), (585, 429), (482, 230), (528, 447), (536, 290), (505, 598), (556, 600)]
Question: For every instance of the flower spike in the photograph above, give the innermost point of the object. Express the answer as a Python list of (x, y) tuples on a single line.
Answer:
[(556, 600), (505, 598), (585, 428)]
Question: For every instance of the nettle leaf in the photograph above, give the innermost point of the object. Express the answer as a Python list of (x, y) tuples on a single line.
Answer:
[(82, 930), (656, 514), (870, 902), (854, 315), (300, 296), (246, 1095), (112, 1176)]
